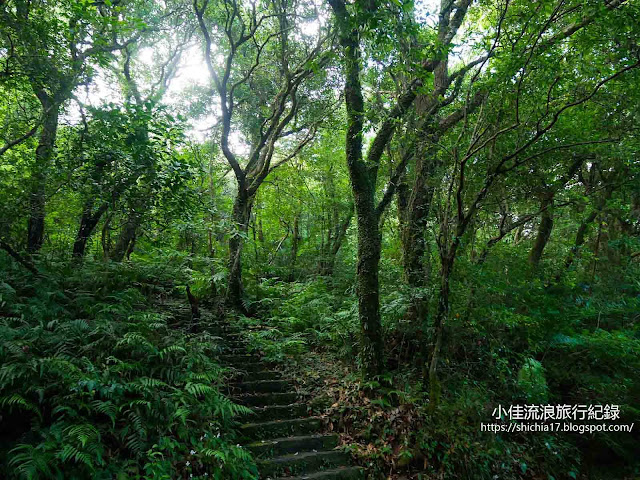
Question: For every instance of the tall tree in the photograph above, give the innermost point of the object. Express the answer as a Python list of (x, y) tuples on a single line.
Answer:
[(170, 31), (352, 20), (269, 102), (524, 120), (53, 49)]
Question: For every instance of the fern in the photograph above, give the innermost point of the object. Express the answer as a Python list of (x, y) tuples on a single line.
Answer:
[(103, 369)]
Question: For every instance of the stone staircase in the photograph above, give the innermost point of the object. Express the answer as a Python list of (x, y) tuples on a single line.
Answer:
[(286, 440)]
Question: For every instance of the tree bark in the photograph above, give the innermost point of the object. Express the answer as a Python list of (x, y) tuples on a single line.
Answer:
[(25, 262), (336, 235), (363, 175), (284, 111), (402, 204), (194, 326), (44, 156), (241, 214), (294, 247), (127, 237), (544, 229), (88, 223), (367, 285), (414, 242), (441, 317), (363, 181), (581, 234)]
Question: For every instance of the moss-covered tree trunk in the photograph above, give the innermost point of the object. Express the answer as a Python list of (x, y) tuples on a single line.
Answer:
[(336, 233), (544, 229), (414, 236), (363, 184), (241, 214), (126, 240), (440, 319), (295, 243), (44, 157), (367, 285)]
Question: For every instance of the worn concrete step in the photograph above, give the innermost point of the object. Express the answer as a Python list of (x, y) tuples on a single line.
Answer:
[(262, 386), (261, 375), (227, 334), (240, 360), (251, 368), (234, 336), (235, 348), (264, 399), (229, 331), (304, 462), (264, 375), (280, 412), (230, 350), (284, 446), (281, 428), (342, 473), (222, 323)]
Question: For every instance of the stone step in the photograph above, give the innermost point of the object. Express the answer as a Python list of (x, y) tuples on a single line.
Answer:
[(234, 349), (260, 375), (227, 334), (284, 446), (240, 360), (343, 473), (280, 412), (264, 375), (261, 386), (229, 350), (298, 463), (281, 428), (252, 368), (233, 336), (264, 399)]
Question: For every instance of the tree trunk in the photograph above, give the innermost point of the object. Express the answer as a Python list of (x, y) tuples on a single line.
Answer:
[(579, 241), (294, 247), (44, 155), (544, 229), (88, 224), (596, 252), (105, 239), (402, 203), (363, 176), (438, 328), (25, 262), (194, 326), (414, 242), (367, 285), (127, 237), (241, 215), (132, 245), (336, 236), (517, 237)]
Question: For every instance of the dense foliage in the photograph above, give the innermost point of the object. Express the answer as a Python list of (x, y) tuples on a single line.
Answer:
[(99, 383), (423, 211)]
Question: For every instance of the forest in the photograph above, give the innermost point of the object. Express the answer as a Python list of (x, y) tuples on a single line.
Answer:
[(320, 239)]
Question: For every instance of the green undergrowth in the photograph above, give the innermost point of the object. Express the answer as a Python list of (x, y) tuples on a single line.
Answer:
[(521, 342), (97, 381)]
